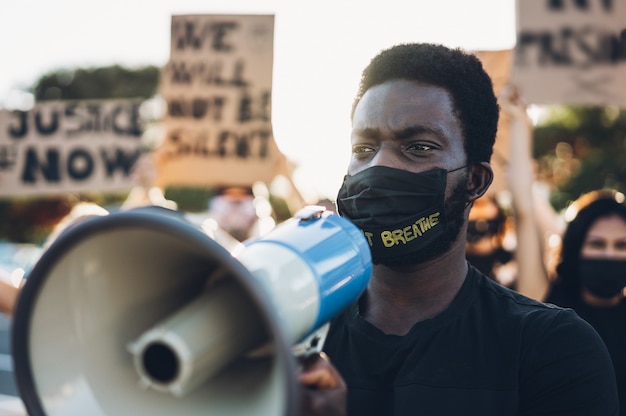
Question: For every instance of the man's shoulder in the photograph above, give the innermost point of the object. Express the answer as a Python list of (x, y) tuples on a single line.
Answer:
[(490, 288), (535, 318), (492, 296)]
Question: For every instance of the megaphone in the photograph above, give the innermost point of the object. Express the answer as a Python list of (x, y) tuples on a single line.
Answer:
[(142, 313)]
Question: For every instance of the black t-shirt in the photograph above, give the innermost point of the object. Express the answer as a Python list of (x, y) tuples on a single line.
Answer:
[(492, 352), (610, 323)]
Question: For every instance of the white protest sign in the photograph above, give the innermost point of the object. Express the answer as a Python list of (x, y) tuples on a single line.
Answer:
[(217, 85), (571, 51), (69, 146)]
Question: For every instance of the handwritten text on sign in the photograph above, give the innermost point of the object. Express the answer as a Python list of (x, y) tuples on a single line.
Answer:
[(571, 51), (69, 146), (217, 86)]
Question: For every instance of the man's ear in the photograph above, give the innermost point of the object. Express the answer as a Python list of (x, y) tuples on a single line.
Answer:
[(480, 177)]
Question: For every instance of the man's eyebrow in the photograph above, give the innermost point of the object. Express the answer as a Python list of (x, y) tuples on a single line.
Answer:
[(367, 133), (374, 133), (417, 130)]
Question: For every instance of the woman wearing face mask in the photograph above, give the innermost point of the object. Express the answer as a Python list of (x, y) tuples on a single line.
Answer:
[(592, 263), (591, 272)]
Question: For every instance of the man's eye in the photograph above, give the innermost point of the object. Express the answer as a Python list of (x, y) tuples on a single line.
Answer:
[(420, 147), (596, 244), (361, 149)]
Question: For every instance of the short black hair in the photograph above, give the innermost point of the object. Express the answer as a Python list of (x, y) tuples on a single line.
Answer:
[(458, 72), (591, 207)]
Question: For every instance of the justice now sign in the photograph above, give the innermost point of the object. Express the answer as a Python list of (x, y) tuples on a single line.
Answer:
[(217, 85), (69, 146)]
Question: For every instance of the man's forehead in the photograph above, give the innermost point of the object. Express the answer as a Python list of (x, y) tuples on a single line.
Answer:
[(406, 92), (401, 105)]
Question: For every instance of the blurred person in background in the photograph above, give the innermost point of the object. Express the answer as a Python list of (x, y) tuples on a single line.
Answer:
[(590, 274), (244, 212), (234, 211), (487, 236)]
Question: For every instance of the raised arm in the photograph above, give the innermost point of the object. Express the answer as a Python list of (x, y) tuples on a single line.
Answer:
[(8, 296), (532, 278)]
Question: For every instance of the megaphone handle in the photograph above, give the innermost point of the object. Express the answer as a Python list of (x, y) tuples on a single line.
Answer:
[(312, 344)]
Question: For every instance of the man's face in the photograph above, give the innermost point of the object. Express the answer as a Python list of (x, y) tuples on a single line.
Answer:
[(410, 126)]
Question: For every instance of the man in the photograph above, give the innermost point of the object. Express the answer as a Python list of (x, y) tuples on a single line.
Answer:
[(431, 335)]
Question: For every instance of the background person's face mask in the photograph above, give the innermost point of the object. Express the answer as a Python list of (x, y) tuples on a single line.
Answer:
[(479, 229), (399, 212), (486, 262), (604, 278)]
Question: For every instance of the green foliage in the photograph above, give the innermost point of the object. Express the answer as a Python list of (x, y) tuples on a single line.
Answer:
[(30, 220), (98, 83), (281, 209), (189, 199), (580, 149)]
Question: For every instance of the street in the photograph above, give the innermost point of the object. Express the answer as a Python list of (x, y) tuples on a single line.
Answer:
[(10, 404), (7, 382)]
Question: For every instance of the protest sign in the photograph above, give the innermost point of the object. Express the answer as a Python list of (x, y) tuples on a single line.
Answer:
[(217, 85), (69, 146), (571, 52)]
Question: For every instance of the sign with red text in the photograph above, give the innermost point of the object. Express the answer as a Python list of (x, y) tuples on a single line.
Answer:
[(69, 146), (571, 51), (218, 89)]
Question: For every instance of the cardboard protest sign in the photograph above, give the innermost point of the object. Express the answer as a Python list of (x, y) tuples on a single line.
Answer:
[(69, 146), (498, 66), (217, 85), (571, 51)]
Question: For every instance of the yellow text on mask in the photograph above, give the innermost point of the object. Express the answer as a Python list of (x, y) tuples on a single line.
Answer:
[(410, 232)]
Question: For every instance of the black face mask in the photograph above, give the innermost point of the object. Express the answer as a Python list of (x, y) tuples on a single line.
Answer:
[(399, 212), (478, 229), (604, 278)]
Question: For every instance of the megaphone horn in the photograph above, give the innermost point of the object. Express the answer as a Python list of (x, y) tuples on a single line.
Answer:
[(141, 312)]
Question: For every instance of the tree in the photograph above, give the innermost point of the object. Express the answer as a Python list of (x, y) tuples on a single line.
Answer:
[(580, 149), (98, 83)]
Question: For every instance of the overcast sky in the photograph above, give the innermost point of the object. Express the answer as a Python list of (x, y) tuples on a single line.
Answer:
[(319, 50)]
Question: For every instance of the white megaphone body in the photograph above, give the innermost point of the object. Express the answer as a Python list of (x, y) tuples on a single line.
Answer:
[(140, 312)]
